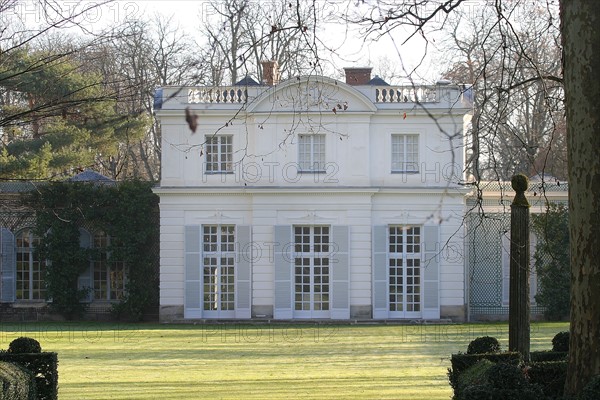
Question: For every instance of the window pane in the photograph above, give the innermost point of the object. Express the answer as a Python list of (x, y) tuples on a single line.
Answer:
[(311, 271), (404, 269), (219, 268), (405, 153), (219, 153), (311, 152)]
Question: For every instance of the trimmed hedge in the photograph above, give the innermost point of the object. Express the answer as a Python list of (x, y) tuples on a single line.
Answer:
[(542, 356), (461, 362), (591, 391), (473, 376), (16, 383), (499, 381), (550, 376), (43, 366)]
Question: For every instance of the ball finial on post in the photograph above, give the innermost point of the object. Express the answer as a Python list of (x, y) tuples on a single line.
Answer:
[(520, 183)]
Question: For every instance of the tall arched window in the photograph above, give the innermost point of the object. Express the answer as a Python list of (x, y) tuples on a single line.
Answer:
[(30, 283), (109, 275)]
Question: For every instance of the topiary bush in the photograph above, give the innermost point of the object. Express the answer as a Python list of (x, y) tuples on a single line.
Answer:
[(591, 391), (475, 375), (24, 345), (503, 375), (501, 381), (542, 356), (461, 362), (560, 341), (477, 392), (484, 344), (43, 366), (550, 376), (16, 382)]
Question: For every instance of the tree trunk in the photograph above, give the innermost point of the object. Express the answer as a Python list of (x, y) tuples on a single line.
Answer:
[(580, 27)]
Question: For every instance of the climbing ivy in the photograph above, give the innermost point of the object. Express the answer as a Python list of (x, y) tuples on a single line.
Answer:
[(127, 212), (552, 261)]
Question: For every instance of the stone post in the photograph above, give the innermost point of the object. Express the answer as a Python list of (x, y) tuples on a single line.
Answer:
[(518, 315)]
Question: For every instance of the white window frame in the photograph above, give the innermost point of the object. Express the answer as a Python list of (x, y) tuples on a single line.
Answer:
[(400, 256), (312, 257), (219, 254), (111, 268), (405, 152), (311, 153), (29, 250), (219, 154)]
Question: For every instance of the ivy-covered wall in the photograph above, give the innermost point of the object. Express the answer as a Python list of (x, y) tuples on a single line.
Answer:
[(127, 212)]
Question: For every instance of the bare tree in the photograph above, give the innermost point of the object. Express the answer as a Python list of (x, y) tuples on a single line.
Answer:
[(141, 56), (580, 33), (515, 70), (236, 43)]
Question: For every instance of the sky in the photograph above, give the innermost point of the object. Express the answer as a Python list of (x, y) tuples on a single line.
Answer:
[(352, 50)]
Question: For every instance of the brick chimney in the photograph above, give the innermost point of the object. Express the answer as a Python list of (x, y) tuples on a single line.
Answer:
[(358, 76), (270, 72)]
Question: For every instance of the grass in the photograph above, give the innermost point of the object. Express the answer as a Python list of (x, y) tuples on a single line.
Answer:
[(241, 361)]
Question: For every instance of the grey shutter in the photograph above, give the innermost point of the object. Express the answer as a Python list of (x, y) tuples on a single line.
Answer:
[(283, 247), (8, 265), (340, 272), (380, 274), (192, 297), (243, 271), (431, 272), (84, 281)]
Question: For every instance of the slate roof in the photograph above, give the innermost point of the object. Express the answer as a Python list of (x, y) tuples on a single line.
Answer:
[(247, 81), (91, 176), (377, 81)]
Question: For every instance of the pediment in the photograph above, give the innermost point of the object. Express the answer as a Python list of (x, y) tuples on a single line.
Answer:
[(312, 94)]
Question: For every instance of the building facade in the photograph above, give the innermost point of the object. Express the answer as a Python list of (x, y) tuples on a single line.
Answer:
[(312, 199), (23, 295)]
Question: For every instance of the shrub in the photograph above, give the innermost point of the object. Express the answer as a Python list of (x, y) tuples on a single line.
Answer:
[(24, 345), (16, 383), (43, 366), (591, 391), (541, 356), (462, 362), (474, 376), (560, 341), (501, 381), (503, 375), (552, 261), (484, 344), (477, 392), (550, 376)]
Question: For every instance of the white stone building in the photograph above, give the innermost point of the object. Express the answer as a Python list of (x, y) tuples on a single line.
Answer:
[(312, 199)]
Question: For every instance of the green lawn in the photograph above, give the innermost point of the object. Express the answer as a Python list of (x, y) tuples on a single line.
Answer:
[(240, 361)]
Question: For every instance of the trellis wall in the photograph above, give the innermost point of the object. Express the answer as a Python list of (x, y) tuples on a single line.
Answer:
[(488, 221)]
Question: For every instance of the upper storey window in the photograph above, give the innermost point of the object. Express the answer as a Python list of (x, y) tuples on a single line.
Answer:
[(311, 153), (405, 153), (219, 153)]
